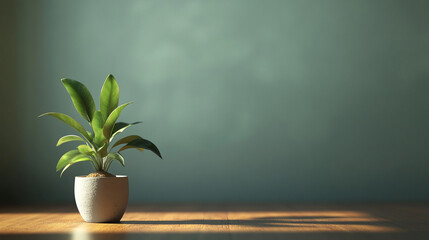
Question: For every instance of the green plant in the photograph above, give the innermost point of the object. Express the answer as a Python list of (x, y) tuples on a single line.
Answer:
[(103, 125)]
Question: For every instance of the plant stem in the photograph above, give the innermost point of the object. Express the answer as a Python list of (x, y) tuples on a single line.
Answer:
[(93, 164), (100, 162)]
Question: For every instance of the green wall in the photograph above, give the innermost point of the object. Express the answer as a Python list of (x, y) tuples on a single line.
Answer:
[(247, 100)]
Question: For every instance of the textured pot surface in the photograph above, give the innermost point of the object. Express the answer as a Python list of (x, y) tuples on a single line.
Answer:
[(101, 199)]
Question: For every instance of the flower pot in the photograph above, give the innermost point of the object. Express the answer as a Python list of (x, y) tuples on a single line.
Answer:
[(101, 199)]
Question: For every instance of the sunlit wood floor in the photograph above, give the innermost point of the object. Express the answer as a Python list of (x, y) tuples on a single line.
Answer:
[(229, 221)]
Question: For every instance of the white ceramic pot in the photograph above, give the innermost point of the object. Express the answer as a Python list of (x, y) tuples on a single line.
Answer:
[(101, 199)]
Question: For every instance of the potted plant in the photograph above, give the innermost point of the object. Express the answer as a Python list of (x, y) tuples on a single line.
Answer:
[(100, 196)]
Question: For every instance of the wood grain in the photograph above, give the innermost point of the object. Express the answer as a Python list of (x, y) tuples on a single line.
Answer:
[(274, 221)]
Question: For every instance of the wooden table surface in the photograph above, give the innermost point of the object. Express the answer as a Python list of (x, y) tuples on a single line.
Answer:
[(223, 221)]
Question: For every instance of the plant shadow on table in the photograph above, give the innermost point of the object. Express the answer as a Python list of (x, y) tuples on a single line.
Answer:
[(220, 236), (282, 222)]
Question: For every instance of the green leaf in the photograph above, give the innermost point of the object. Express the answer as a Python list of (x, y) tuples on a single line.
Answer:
[(81, 97), (111, 120), (115, 156), (127, 147), (91, 135), (76, 159), (126, 140), (69, 121), (100, 148), (69, 138), (85, 149), (97, 124), (120, 127), (109, 96), (102, 151), (65, 159), (142, 144)]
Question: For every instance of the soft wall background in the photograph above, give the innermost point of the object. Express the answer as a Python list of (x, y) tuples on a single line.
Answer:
[(247, 100)]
